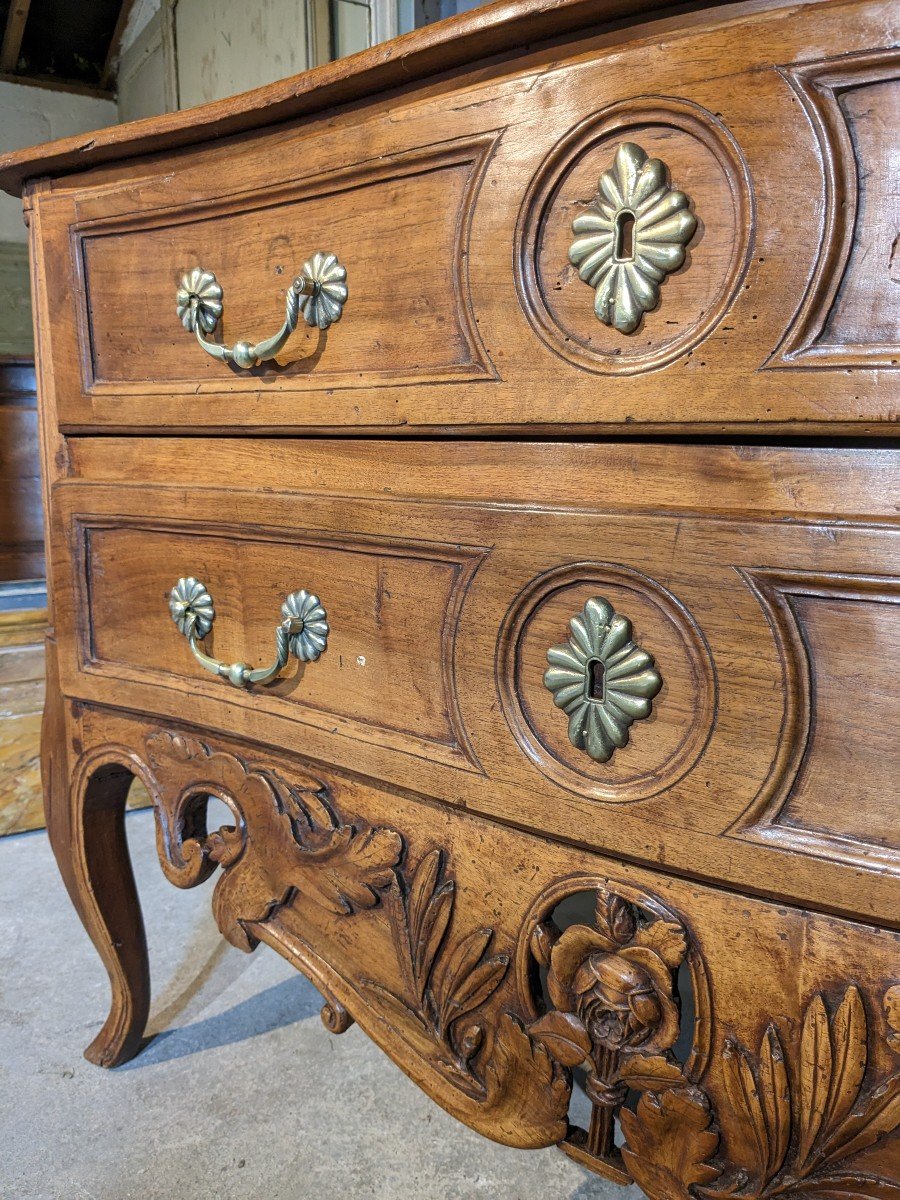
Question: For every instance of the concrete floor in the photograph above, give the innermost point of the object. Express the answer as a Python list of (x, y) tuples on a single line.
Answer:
[(242, 1095)]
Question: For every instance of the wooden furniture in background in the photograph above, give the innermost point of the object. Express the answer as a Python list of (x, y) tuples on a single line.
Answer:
[(21, 514), (22, 628), (22, 633), (604, 717), (21, 703), (23, 615)]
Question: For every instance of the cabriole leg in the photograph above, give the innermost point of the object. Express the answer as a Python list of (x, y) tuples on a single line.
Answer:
[(86, 825)]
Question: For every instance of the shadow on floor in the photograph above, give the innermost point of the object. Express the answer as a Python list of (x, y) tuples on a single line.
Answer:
[(283, 1004)]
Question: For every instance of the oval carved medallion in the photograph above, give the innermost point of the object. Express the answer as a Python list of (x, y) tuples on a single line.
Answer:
[(705, 164), (661, 747)]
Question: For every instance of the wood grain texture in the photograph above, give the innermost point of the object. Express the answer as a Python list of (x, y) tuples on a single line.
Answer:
[(379, 897), (13, 33), (510, 350), (377, 210), (498, 898)]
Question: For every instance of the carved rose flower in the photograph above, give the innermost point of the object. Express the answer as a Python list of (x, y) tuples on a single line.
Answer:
[(622, 994), (612, 992)]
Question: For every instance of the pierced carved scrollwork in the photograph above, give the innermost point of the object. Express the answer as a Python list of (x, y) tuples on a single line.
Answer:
[(295, 829), (501, 1079), (800, 1118), (800, 1113)]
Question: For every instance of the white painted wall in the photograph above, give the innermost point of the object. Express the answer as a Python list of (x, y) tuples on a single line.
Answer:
[(29, 115), (145, 77), (139, 18), (179, 53), (228, 46)]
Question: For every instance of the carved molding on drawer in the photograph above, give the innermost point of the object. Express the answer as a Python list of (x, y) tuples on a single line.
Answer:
[(371, 583), (704, 161), (833, 631), (799, 1099), (853, 105), (656, 757), (112, 306)]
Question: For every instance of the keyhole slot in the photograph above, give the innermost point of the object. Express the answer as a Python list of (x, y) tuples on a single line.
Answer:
[(624, 249), (596, 688)]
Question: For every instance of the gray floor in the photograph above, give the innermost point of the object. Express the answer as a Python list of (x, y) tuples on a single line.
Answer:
[(242, 1093)]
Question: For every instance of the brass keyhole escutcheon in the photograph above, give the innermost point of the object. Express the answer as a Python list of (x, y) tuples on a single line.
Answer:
[(601, 679), (632, 235)]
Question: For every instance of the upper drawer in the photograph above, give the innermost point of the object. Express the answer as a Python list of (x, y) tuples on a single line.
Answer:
[(688, 226)]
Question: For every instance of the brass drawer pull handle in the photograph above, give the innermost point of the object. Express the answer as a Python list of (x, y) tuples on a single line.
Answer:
[(303, 631), (319, 292), (601, 679)]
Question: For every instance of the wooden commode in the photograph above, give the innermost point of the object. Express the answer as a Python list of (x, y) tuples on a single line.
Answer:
[(474, 463)]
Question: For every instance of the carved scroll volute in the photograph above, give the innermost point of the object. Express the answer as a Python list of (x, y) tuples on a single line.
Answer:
[(295, 831), (188, 853)]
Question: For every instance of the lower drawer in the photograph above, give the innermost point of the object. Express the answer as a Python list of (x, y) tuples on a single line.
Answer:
[(645, 650)]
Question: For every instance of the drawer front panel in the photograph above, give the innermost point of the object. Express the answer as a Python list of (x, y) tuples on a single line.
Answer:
[(731, 684), (392, 608), (612, 240), (411, 210)]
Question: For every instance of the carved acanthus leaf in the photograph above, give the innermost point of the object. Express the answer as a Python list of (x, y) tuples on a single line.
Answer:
[(525, 1087), (356, 865), (669, 1142), (289, 841)]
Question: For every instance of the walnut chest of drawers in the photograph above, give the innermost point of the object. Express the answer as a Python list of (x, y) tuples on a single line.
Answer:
[(535, 584)]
